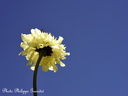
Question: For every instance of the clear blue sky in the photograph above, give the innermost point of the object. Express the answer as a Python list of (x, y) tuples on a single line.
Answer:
[(95, 33)]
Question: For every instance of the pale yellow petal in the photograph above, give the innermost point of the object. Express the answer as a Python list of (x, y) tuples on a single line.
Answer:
[(24, 45), (45, 68), (60, 39), (62, 64), (55, 68), (32, 68), (26, 38), (29, 63)]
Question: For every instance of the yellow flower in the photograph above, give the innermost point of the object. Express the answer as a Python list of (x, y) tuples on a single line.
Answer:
[(38, 40)]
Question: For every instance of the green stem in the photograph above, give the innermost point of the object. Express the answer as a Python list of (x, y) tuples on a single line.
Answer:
[(41, 54)]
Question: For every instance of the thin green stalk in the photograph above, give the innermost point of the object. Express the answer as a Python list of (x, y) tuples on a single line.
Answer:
[(41, 54)]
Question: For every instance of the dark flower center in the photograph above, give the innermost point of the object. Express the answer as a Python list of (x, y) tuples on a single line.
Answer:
[(47, 49)]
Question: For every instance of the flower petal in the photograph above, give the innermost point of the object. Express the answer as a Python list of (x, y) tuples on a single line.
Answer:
[(45, 68)]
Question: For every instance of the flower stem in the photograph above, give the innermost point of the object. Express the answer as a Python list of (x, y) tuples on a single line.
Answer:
[(41, 54)]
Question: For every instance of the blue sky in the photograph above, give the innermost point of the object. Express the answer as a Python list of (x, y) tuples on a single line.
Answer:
[(95, 33)]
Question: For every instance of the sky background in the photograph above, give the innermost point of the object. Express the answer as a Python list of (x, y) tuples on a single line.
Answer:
[(95, 33)]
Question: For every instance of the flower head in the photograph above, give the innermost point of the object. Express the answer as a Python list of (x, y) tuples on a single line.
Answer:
[(36, 41)]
